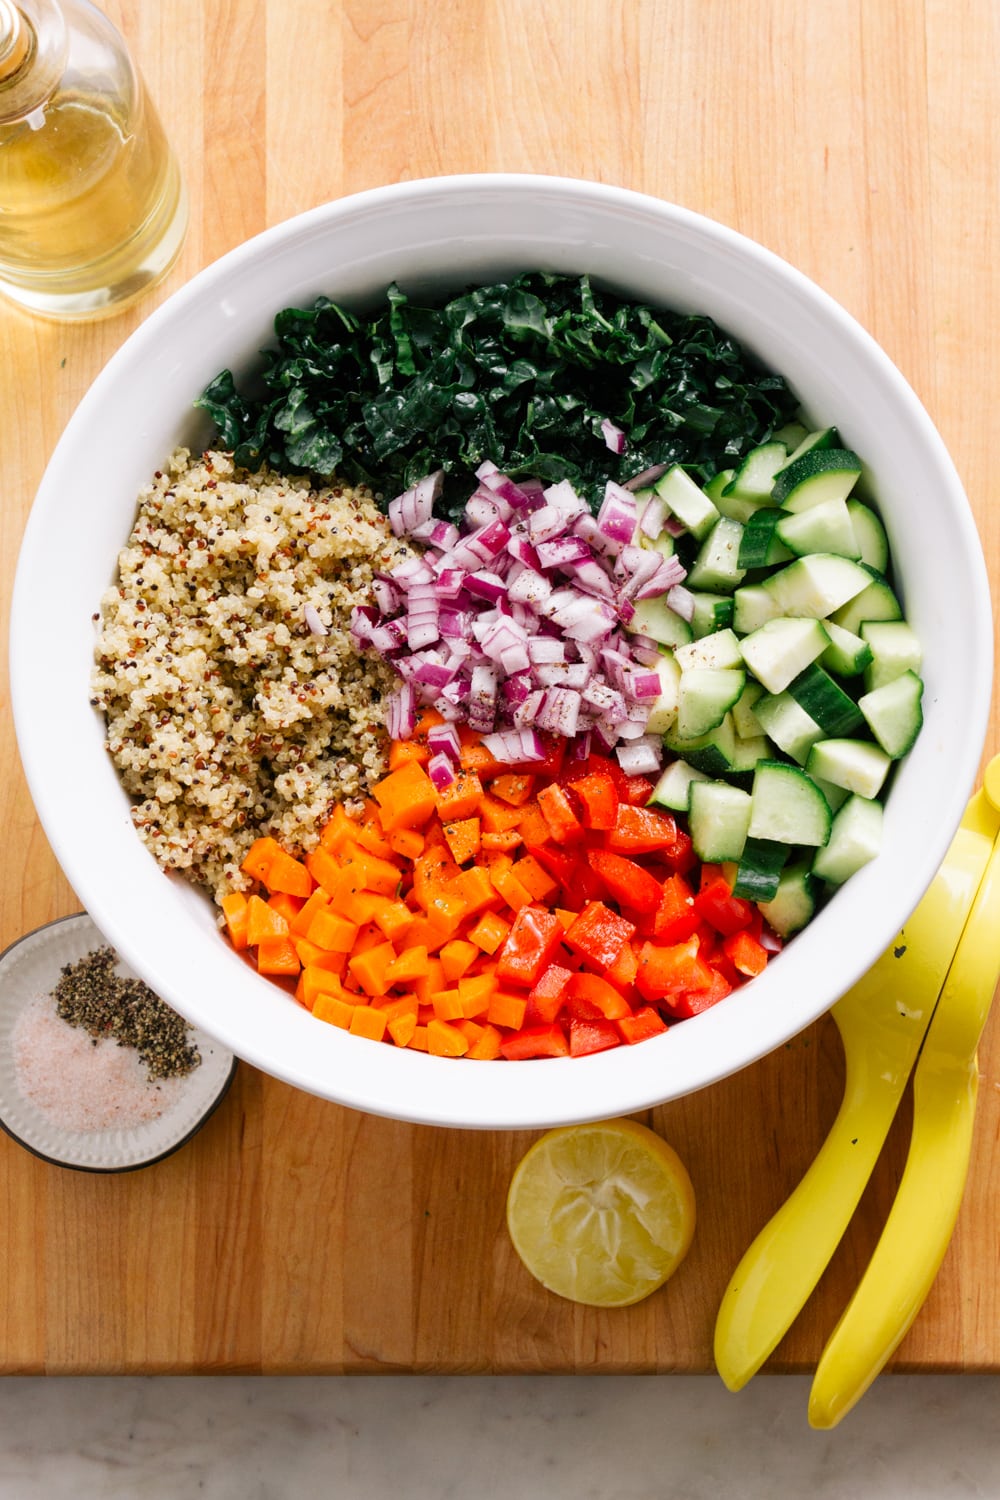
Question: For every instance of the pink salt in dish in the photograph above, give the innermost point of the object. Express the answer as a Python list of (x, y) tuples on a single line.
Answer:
[(87, 1101)]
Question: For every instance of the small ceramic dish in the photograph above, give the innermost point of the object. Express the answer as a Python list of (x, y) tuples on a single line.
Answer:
[(29, 971)]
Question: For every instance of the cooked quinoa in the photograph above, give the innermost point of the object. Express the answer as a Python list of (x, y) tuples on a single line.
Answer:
[(228, 714)]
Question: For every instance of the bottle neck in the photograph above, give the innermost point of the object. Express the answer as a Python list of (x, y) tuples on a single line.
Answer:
[(16, 41), (33, 49)]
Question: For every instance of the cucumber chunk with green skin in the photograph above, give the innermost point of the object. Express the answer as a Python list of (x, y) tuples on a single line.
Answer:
[(711, 612), (793, 434), (758, 873), (788, 725), (746, 722), (754, 479), (795, 902), (673, 790), (787, 807), (819, 438), (835, 711), (717, 568), (746, 752), (718, 820), (705, 696), (718, 484), (817, 585), (823, 528), (855, 765), (847, 654), (761, 547), (818, 475), (687, 501), (714, 752), (876, 601), (719, 650), (655, 618), (869, 534), (836, 796), (753, 606), (663, 709), (895, 649), (781, 649), (894, 713), (855, 839)]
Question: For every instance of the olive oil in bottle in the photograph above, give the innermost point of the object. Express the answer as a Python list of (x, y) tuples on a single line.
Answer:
[(92, 205)]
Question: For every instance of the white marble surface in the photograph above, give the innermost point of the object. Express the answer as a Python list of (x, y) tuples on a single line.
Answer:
[(564, 1438)]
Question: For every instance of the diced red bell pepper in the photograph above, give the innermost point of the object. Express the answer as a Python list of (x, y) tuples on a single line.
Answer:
[(598, 933), (668, 972), (592, 1036), (718, 906), (598, 800), (547, 995), (571, 869), (529, 947), (641, 830), (623, 971), (694, 1002), (675, 918), (611, 1003), (628, 883), (645, 1023), (681, 858), (559, 814), (535, 1041), (745, 953)]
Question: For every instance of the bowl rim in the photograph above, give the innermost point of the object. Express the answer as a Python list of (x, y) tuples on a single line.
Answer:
[(522, 1104)]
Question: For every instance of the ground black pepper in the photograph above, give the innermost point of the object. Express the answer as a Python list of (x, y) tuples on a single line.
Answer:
[(91, 995)]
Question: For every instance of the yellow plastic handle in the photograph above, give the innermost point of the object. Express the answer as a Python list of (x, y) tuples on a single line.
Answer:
[(922, 1219), (883, 1020)]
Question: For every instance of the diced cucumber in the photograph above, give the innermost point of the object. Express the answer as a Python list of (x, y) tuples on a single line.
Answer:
[(718, 484), (718, 820), (876, 601), (788, 725), (760, 546), (711, 612), (836, 796), (716, 568), (754, 479), (663, 710), (758, 873), (856, 765), (753, 606), (855, 838), (826, 527), (795, 902), (793, 434), (719, 650), (894, 713), (835, 712), (869, 533), (818, 475), (673, 790), (705, 696), (821, 437), (781, 649), (895, 649), (687, 501), (746, 752), (847, 654), (787, 806), (655, 618), (713, 753), (817, 585), (747, 725)]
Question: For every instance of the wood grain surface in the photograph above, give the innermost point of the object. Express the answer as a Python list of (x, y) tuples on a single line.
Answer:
[(857, 138)]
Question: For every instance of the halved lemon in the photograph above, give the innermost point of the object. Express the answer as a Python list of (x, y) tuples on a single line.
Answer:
[(601, 1213)]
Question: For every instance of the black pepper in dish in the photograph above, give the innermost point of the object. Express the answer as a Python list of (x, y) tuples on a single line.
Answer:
[(91, 995)]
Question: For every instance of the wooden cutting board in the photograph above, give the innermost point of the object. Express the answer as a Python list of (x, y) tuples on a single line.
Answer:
[(858, 140)]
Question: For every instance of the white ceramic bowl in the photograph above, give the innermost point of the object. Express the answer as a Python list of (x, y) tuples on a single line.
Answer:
[(433, 236)]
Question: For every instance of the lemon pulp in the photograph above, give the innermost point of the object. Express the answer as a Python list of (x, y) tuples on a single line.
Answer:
[(602, 1213)]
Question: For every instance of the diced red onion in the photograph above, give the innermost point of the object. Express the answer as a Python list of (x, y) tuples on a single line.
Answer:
[(443, 739), (644, 757), (415, 505), (654, 513), (441, 770), (681, 601), (616, 517), (562, 551), (401, 712), (515, 747), (613, 436), (647, 476)]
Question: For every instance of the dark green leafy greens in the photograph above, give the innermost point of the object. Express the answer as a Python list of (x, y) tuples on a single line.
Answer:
[(522, 373)]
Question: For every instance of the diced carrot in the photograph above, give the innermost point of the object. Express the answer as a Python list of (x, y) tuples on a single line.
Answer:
[(507, 1010), (474, 756), (392, 1006), (536, 881), (489, 932), (318, 901), (402, 1028), (287, 906), (475, 993), (314, 981), (368, 1022), (463, 838), (263, 921), (457, 956), (311, 956), (369, 936), (445, 912), (515, 787), (359, 906), (498, 816), (406, 797), (426, 985), (338, 827), (411, 964), (501, 843), (476, 889), (471, 1030), (532, 825), (444, 1040), (258, 858), (335, 1010), (563, 824), (511, 889), (401, 751), (461, 798), (487, 1048), (370, 838), (324, 868), (277, 955), (234, 909), (288, 875), (418, 1041), (333, 932), (432, 871), (424, 934), (447, 1005), (369, 968), (393, 919), (371, 872), (409, 842)]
